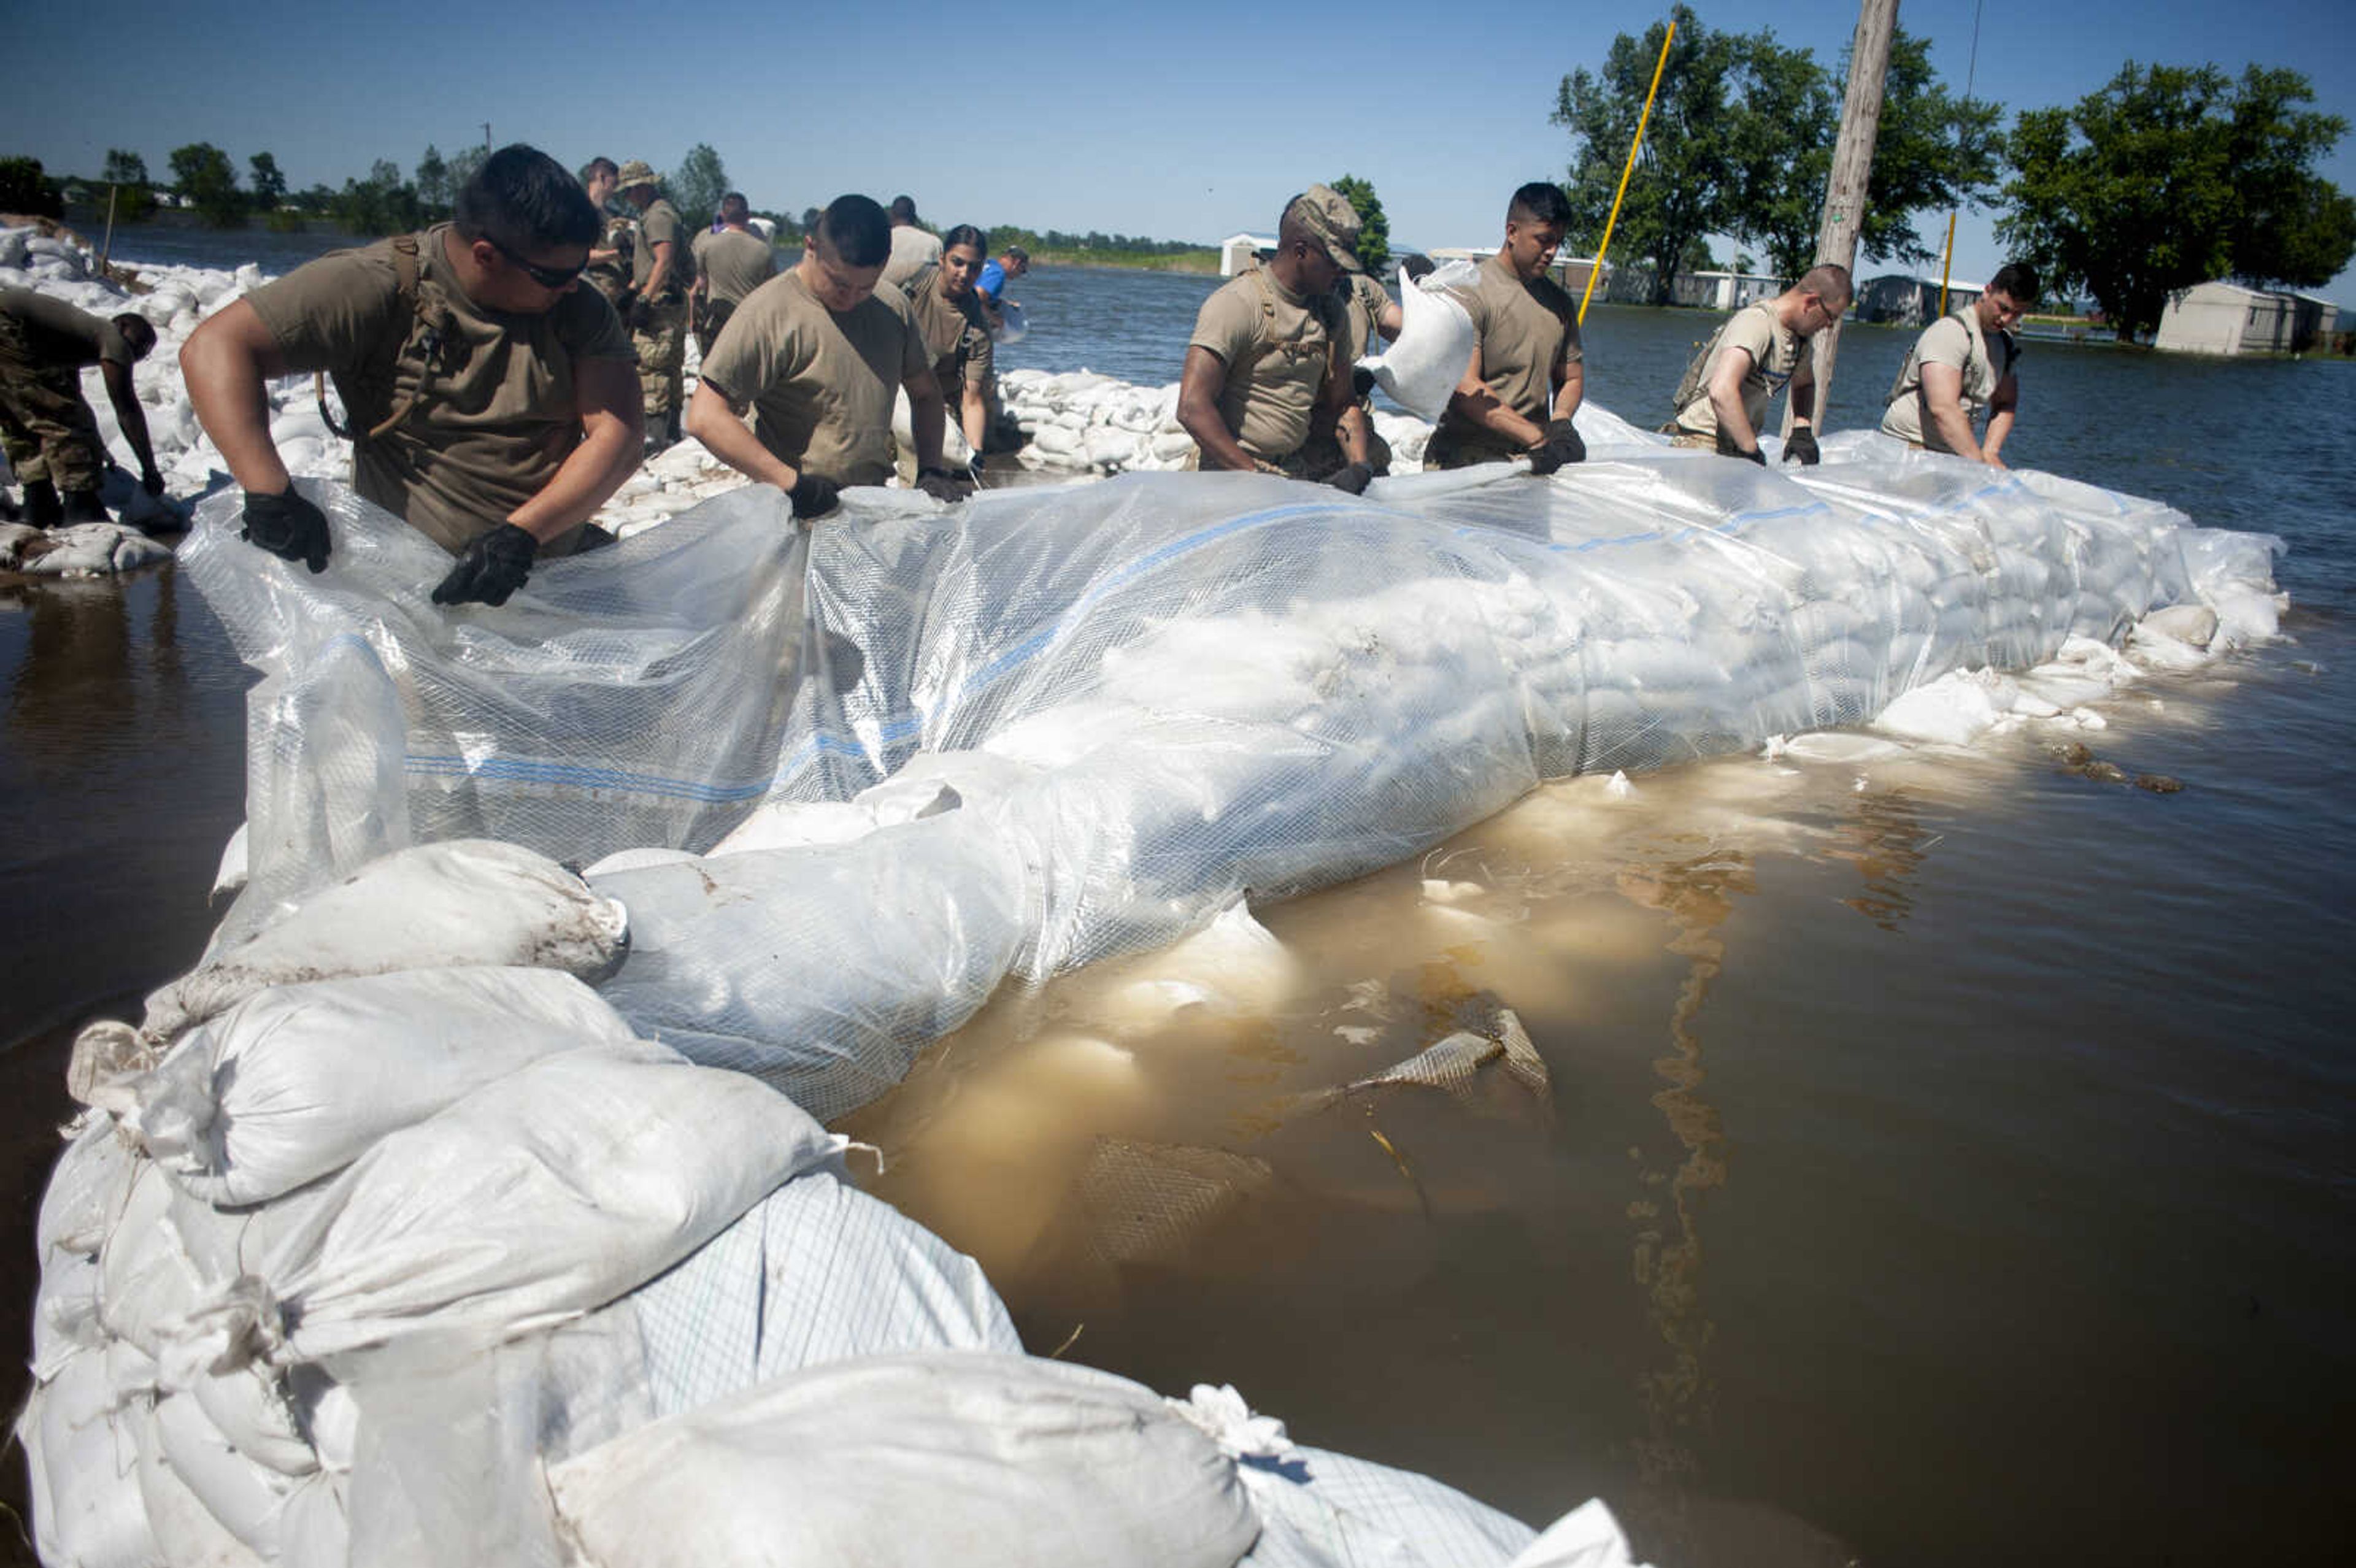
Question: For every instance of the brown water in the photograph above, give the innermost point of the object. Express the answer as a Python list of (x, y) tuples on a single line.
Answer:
[(1947, 1169)]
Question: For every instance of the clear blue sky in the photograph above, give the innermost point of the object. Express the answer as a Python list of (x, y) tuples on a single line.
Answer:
[(1177, 121)]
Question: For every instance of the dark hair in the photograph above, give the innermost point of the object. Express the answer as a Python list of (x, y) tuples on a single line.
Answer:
[(854, 230), (1018, 252), (524, 200), (735, 209), (1827, 280), (1540, 202), (2018, 279), (135, 329), (605, 166), (966, 234), (904, 209)]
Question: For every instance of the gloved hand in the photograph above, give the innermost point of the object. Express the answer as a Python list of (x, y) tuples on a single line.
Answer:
[(1725, 448), (1353, 479), (151, 481), (1418, 267), (1361, 381), (288, 526), (1561, 445), (493, 566), (814, 495), (637, 314), (939, 484), (1801, 445)]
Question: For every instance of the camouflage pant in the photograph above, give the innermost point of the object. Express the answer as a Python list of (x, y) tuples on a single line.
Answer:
[(46, 429), (662, 357)]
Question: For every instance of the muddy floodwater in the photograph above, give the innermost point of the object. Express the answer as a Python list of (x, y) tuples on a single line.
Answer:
[(1924, 1157)]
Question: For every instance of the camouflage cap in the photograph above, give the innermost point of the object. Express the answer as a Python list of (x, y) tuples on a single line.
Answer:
[(637, 172), (1330, 218)]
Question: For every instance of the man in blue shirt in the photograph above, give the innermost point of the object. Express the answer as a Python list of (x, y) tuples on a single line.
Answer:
[(991, 281)]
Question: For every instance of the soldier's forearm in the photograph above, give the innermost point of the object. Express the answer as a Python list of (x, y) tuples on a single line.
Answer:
[(976, 420), (727, 437), (226, 389)]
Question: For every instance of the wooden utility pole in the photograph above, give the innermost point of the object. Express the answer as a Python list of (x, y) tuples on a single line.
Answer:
[(1868, 63)]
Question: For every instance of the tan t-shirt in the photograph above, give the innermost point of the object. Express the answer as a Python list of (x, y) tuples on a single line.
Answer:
[(57, 336), (1774, 349), (956, 335), (495, 412), (659, 225), (733, 262), (1277, 346), (1362, 315), (913, 249), (821, 385), (1955, 341), (1528, 334)]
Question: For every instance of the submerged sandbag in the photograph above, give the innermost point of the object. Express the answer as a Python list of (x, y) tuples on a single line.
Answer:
[(913, 1460)]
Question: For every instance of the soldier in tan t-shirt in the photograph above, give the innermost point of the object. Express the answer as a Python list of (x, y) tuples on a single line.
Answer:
[(491, 399), (949, 311), (1721, 403), (1269, 353), (816, 355), (663, 269), (1529, 372), (49, 435), (731, 261), (1962, 364), (611, 255)]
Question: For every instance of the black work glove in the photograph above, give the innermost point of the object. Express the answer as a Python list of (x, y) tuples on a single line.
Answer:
[(288, 526), (814, 495), (1418, 267), (1561, 445), (492, 567), (1801, 445), (1353, 479), (1361, 381), (152, 482), (1725, 448), (939, 484)]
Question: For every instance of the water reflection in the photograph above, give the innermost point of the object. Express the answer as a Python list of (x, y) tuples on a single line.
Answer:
[(1884, 836)]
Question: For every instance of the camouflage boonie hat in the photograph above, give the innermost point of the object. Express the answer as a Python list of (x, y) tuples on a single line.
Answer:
[(1328, 216), (637, 172)]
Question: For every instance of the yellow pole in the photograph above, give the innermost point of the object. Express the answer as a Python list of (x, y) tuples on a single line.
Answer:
[(1595, 268), (1946, 264)]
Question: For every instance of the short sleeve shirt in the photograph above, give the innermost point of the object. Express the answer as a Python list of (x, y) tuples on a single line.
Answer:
[(659, 225), (734, 263), (821, 385), (913, 249), (57, 336), (495, 412), (991, 279), (1954, 341), (956, 335), (1363, 314), (1774, 350), (1528, 332), (1277, 346)]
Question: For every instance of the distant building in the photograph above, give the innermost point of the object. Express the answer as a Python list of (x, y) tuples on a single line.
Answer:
[(1897, 300), (1238, 251), (1570, 271), (1722, 291), (2219, 317)]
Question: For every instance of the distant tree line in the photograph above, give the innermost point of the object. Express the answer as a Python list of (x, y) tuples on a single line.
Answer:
[(2166, 177)]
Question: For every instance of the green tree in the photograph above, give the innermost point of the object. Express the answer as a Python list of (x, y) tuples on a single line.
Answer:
[(1373, 225), (125, 167), (127, 172), (381, 204), (1690, 174), (435, 192), (697, 187), (269, 183), (2171, 176), (207, 181), (24, 188), (463, 165)]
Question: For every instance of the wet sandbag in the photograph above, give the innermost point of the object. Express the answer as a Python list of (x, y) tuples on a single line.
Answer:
[(540, 1196), (913, 1460), (439, 906), (297, 1082)]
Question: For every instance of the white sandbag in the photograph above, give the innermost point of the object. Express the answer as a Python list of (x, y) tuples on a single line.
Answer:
[(1328, 1510), (907, 1460), (1424, 363), (299, 1080), (536, 1197), (437, 906), (211, 1507), (83, 1459), (147, 1281)]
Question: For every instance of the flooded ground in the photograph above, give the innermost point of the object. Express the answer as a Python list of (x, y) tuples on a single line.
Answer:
[(1936, 1161)]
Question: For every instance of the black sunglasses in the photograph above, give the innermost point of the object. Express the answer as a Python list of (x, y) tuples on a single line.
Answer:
[(546, 277)]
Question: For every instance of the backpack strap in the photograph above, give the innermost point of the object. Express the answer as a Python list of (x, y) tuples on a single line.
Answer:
[(407, 270)]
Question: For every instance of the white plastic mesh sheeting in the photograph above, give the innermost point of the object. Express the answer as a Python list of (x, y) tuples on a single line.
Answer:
[(1150, 695), (1329, 1510)]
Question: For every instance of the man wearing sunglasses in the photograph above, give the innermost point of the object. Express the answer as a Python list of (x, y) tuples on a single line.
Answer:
[(1963, 364), (492, 401), (1721, 403)]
